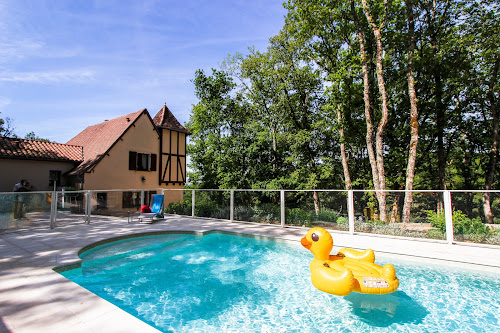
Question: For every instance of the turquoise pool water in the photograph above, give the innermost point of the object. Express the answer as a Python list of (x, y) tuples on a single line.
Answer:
[(226, 283)]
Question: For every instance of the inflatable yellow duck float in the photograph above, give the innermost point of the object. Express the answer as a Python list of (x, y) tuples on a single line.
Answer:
[(347, 271)]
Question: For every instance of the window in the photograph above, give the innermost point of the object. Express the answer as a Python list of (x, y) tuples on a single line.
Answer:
[(54, 176), (141, 162), (133, 199), (102, 201)]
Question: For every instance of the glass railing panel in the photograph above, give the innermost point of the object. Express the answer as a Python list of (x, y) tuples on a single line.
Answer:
[(473, 221), (422, 221), (120, 203), (178, 202), (70, 207), (327, 209), (24, 210), (257, 206), (212, 203)]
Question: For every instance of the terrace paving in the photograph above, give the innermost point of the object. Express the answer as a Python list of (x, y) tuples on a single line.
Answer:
[(34, 298)]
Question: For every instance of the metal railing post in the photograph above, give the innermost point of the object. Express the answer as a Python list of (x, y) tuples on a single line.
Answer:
[(53, 209), (88, 206), (193, 196), (231, 206), (350, 210), (62, 198), (282, 206), (448, 216)]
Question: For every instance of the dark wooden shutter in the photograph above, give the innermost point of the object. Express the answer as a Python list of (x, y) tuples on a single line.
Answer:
[(152, 167), (132, 160)]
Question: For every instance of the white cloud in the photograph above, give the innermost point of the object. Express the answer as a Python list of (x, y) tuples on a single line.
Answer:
[(220, 41), (18, 49), (4, 101), (78, 76)]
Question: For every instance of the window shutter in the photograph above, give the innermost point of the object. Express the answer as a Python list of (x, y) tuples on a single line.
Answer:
[(132, 160), (152, 167)]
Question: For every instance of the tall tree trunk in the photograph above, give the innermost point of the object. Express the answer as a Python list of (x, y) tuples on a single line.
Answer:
[(317, 204), (274, 150), (366, 99), (494, 145), (438, 106), (379, 144), (412, 154), (345, 165), (395, 209)]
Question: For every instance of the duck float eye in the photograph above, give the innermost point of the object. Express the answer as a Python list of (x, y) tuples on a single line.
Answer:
[(315, 237)]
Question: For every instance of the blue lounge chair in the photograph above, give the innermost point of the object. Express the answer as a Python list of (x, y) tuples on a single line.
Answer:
[(157, 210)]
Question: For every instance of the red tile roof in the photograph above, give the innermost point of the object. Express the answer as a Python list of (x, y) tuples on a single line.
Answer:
[(165, 119), (39, 150), (98, 139)]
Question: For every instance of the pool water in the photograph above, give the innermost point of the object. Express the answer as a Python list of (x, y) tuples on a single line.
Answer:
[(227, 283)]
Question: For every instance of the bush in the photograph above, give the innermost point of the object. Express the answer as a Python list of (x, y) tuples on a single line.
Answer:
[(297, 216), (243, 213), (180, 208), (326, 216), (435, 234), (461, 223), (342, 220), (206, 209)]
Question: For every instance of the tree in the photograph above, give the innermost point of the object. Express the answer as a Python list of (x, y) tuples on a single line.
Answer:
[(6, 127), (483, 40), (32, 136), (363, 94), (412, 153)]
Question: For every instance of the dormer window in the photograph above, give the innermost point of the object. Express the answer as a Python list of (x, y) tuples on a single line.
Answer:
[(141, 161)]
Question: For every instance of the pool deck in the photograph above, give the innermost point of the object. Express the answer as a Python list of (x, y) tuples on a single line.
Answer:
[(34, 298)]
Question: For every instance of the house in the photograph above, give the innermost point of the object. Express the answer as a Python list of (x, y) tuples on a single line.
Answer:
[(42, 163), (131, 152)]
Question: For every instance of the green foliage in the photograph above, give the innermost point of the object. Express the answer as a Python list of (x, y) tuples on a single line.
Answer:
[(297, 216), (179, 208), (342, 220), (6, 127), (32, 136), (461, 223), (435, 234), (326, 215), (269, 119)]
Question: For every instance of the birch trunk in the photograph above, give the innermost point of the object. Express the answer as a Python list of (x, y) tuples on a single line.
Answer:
[(379, 144), (412, 154), (317, 204), (395, 209), (345, 165), (494, 145)]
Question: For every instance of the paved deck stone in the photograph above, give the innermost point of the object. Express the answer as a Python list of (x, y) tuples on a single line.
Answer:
[(34, 298)]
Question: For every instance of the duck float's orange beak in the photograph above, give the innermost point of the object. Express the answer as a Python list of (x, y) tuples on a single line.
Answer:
[(305, 243)]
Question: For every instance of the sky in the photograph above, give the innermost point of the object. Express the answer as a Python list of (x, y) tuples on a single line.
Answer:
[(66, 65)]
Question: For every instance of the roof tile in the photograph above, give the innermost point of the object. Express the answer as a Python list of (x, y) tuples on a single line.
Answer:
[(98, 139), (39, 150), (165, 119)]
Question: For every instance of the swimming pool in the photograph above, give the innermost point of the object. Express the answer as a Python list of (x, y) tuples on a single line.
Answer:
[(221, 282)]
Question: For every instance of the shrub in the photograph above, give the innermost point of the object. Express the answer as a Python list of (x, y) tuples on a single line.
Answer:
[(326, 215), (297, 216), (221, 213), (206, 209), (180, 208), (461, 223), (243, 213), (435, 234), (342, 220)]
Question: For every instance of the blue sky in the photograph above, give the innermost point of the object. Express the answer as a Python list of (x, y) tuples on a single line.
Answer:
[(66, 65)]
